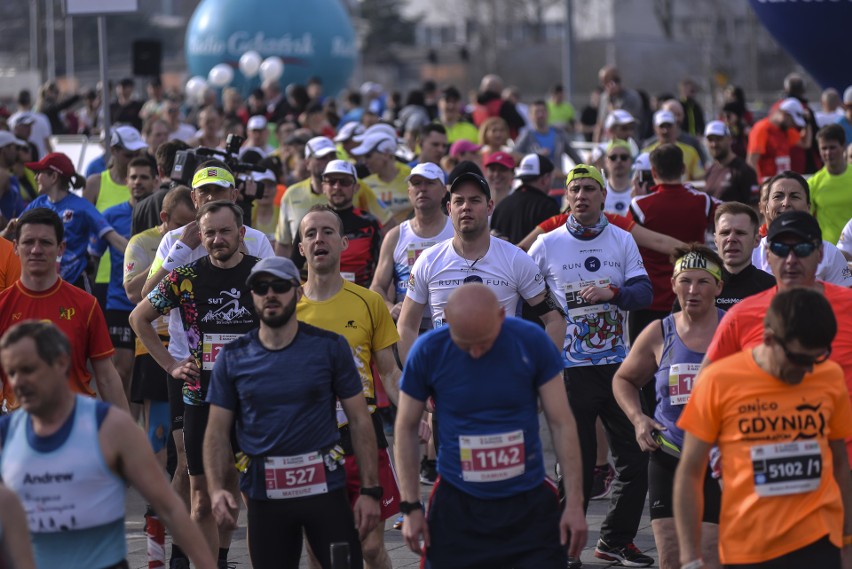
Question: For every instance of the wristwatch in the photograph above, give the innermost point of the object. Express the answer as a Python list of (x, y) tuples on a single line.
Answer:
[(407, 507), (373, 492)]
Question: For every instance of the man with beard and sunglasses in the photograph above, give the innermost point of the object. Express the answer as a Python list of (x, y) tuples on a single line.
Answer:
[(794, 250), (213, 308), (279, 385)]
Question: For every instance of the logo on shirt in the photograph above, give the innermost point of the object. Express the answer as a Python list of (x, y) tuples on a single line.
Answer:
[(351, 324), (129, 267), (66, 313), (592, 264), (230, 309), (67, 216), (17, 315)]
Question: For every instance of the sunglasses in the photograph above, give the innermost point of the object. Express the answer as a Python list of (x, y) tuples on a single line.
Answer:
[(342, 182), (804, 360), (800, 250), (278, 286), (619, 157)]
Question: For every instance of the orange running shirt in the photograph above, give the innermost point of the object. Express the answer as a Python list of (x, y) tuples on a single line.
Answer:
[(10, 265), (75, 312), (559, 220), (772, 145), (742, 327), (780, 494)]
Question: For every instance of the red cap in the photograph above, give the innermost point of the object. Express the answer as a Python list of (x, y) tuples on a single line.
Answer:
[(502, 158), (459, 147), (55, 161)]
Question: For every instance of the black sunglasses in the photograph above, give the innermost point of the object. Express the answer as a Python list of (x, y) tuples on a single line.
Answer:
[(800, 250), (621, 157), (278, 286), (804, 360)]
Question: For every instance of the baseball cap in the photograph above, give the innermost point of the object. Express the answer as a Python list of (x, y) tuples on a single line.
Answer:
[(503, 159), (55, 161), (619, 143), (280, 267), (471, 177), (379, 141), (319, 146), (664, 117), (22, 118), (716, 128), (213, 175), (799, 223), (349, 130), (382, 127), (618, 117), (459, 147), (533, 166), (128, 138), (429, 171), (257, 122), (585, 171), (7, 138), (340, 167), (847, 96), (794, 108), (642, 162)]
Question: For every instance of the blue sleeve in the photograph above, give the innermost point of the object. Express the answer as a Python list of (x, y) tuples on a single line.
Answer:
[(548, 359), (4, 428), (415, 374), (98, 224), (346, 381), (637, 293), (101, 410), (222, 391)]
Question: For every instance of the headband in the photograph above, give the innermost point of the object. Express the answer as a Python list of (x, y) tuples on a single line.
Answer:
[(695, 260)]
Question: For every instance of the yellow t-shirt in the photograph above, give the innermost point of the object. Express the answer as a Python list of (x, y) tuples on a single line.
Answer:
[(359, 315), (776, 462), (394, 194), (691, 161), (138, 257), (109, 195)]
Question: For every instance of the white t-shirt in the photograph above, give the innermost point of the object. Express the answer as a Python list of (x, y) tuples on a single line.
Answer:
[(505, 269), (41, 131), (257, 245), (596, 333), (832, 269), (617, 202), (845, 241)]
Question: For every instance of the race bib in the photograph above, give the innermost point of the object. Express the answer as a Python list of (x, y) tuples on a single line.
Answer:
[(348, 277), (787, 468), (681, 379), (342, 419), (489, 458), (211, 346), (577, 306), (412, 251), (295, 476), (782, 163)]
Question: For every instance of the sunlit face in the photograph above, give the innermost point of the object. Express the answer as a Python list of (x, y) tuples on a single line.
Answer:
[(785, 195), (425, 193), (141, 182), (35, 383), (322, 241), (792, 270), (339, 189), (696, 290), (496, 135), (38, 249), (719, 146), (735, 238), (618, 162), (220, 234), (586, 199), (499, 177), (832, 153), (211, 193), (433, 147), (469, 209), (158, 134)]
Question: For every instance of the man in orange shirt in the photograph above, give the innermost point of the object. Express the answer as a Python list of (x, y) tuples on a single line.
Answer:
[(771, 138), (41, 294), (779, 414)]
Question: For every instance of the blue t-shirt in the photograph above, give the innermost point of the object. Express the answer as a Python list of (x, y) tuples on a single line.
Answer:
[(96, 166), (547, 141), (284, 400), (81, 221), (495, 394), (120, 218), (11, 203)]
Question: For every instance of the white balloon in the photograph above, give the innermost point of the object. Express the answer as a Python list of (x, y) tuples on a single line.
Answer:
[(221, 75), (195, 88), (250, 63), (272, 68)]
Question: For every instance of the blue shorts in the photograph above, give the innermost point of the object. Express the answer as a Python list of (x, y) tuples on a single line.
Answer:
[(521, 531)]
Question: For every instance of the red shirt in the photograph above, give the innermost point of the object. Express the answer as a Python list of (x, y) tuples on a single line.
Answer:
[(75, 312), (772, 145), (558, 221), (676, 211)]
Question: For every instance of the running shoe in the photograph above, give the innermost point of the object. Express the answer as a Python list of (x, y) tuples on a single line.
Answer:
[(626, 555), (428, 471), (574, 563), (602, 481), (398, 523)]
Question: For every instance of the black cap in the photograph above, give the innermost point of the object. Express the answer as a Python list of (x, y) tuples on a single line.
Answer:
[(480, 182), (798, 223), (451, 93)]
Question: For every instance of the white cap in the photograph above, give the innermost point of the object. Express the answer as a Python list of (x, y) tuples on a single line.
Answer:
[(642, 162), (259, 151), (349, 130), (429, 171), (847, 96), (618, 117), (533, 165), (341, 167), (128, 138), (257, 122), (664, 117), (262, 176), (794, 108), (378, 141), (382, 127), (22, 118), (716, 128), (7, 138), (319, 146)]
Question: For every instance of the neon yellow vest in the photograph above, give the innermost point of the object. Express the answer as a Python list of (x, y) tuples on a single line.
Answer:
[(111, 194)]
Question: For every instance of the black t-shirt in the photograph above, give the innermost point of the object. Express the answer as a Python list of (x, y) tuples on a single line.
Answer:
[(146, 214), (735, 182), (521, 211), (745, 283)]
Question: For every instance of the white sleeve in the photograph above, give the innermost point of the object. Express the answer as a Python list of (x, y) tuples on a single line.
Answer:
[(834, 268), (530, 279), (418, 281), (538, 253), (845, 241), (634, 266)]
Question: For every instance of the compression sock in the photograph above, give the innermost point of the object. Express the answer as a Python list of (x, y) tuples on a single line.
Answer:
[(177, 552)]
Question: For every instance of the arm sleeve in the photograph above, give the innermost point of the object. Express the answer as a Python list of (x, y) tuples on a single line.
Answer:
[(637, 293), (282, 230), (552, 223), (97, 222), (366, 199), (845, 241)]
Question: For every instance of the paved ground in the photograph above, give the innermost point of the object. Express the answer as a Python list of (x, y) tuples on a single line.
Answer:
[(400, 555)]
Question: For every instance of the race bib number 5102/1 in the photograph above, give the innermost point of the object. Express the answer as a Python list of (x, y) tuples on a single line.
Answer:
[(489, 458), (786, 468)]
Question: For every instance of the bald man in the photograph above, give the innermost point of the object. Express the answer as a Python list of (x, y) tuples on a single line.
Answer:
[(492, 504)]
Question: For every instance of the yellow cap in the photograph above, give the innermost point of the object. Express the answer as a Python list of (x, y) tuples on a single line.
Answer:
[(213, 175), (585, 171)]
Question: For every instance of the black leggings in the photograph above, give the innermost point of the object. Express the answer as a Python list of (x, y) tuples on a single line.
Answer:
[(275, 530)]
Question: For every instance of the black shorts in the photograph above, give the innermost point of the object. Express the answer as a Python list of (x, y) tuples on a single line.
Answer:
[(194, 425), (174, 388), (822, 554), (521, 531), (120, 332), (661, 473), (149, 380)]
